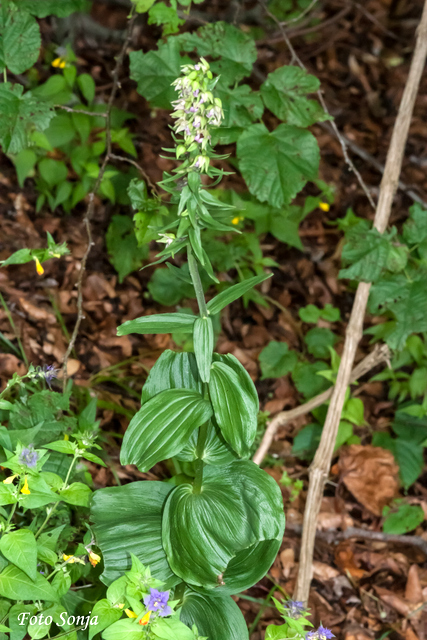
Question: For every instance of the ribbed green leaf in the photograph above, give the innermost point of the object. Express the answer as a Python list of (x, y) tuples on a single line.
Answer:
[(19, 39), (16, 585), (162, 426), (20, 548), (216, 450), (215, 618), (43, 8), (159, 323), (172, 371), (234, 292), (238, 514), (235, 403), (127, 520), (203, 338)]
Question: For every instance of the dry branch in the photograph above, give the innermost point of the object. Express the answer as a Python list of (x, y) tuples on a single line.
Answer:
[(322, 460), (379, 354), (90, 208)]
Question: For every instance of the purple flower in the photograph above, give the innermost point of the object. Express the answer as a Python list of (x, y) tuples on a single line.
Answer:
[(294, 609), (158, 601), (193, 110), (187, 130), (197, 67), (321, 634), (48, 372), (196, 92), (29, 457), (198, 138), (210, 113)]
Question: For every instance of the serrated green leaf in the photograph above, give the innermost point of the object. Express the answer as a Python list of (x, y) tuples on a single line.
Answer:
[(285, 94), (155, 71), (235, 404), (415, 228), (16, 585), (367, 253), (241, 105), (20, 548), (215, 618), (159, 323), (165, 16), (234, 292), (162, 426), (407, 518), (409, 457), (224, 539), (19, 114), (203, 337), (276, 360), (318, 341), (276, 165), (128, 519), (20, 40)]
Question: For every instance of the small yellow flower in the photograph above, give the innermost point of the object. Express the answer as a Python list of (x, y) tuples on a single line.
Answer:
[(25, 489), (10, 479), (59, 63), (39, 267), (237, 219), (69, 559), (130, 613), (94, 558), (66, 436), (324, 206), (119, 605), (145, 619)]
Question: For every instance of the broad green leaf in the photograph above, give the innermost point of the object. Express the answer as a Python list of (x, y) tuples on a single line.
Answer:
[(87, 87), (155, 71), (63, 446), (20, 548), (141, 6), (367, 253), (407, 518), (203, 337), (285, 94), (52, 171), (7, 494), (274, 632), (167, 289), (24, 163), (241, 105), (159, 323), (20, 40), (235, 403), (77, 494), (61, 583), (276, 165), (40, 494), (225, 538), (165, 16), (16, 585), (106, 614), (235, 49), (128, 519), (216, 618), (167, 628), (127, 628), (306, 379), (318, 341), (234, 292), (345, 432), (46, 555), (216, 450), (122, 246), (415, 228), (61, 9), (172, 371), (306, 441), (409, 457), (162, 426), (19, 114), (19, 631), (276, 360)]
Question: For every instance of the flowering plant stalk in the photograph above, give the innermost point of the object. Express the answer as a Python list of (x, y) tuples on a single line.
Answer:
[(295, 614), (216, 529)]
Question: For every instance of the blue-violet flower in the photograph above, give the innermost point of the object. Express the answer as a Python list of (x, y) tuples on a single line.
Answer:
[(158, 601)]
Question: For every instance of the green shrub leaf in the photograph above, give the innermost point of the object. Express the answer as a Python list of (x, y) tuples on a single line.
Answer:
[(159, 323), (234, 292), (20, 40), (20, 548), (215, 618), (276, 165), (16, 585), (276, 360), (203, 337)]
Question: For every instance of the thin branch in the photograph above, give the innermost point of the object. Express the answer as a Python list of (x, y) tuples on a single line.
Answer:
[(144, 174), (379, 354), (295, 58), (322, 461), (90, 208), (352, 532), (87, 113), (301, 15)]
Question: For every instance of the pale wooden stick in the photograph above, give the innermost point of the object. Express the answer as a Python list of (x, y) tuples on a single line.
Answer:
[(378, 355), (322, 460)]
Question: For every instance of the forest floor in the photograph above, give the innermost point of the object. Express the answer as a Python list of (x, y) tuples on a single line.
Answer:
[(360, 51)]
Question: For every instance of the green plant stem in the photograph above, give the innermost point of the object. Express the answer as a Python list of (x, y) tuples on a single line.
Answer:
[(197, 283), (261, 611), (12, 511), (50, 514), (12, 324)]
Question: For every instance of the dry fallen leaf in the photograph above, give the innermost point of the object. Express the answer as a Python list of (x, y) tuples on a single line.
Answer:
[(371, 474), (287, 558)]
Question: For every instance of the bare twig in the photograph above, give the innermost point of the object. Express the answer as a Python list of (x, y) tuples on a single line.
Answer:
[(90, 208), (379, 354), (331, 536), (301, 15), (322, 460), (86, 113), (137, 166), (295, 58)]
